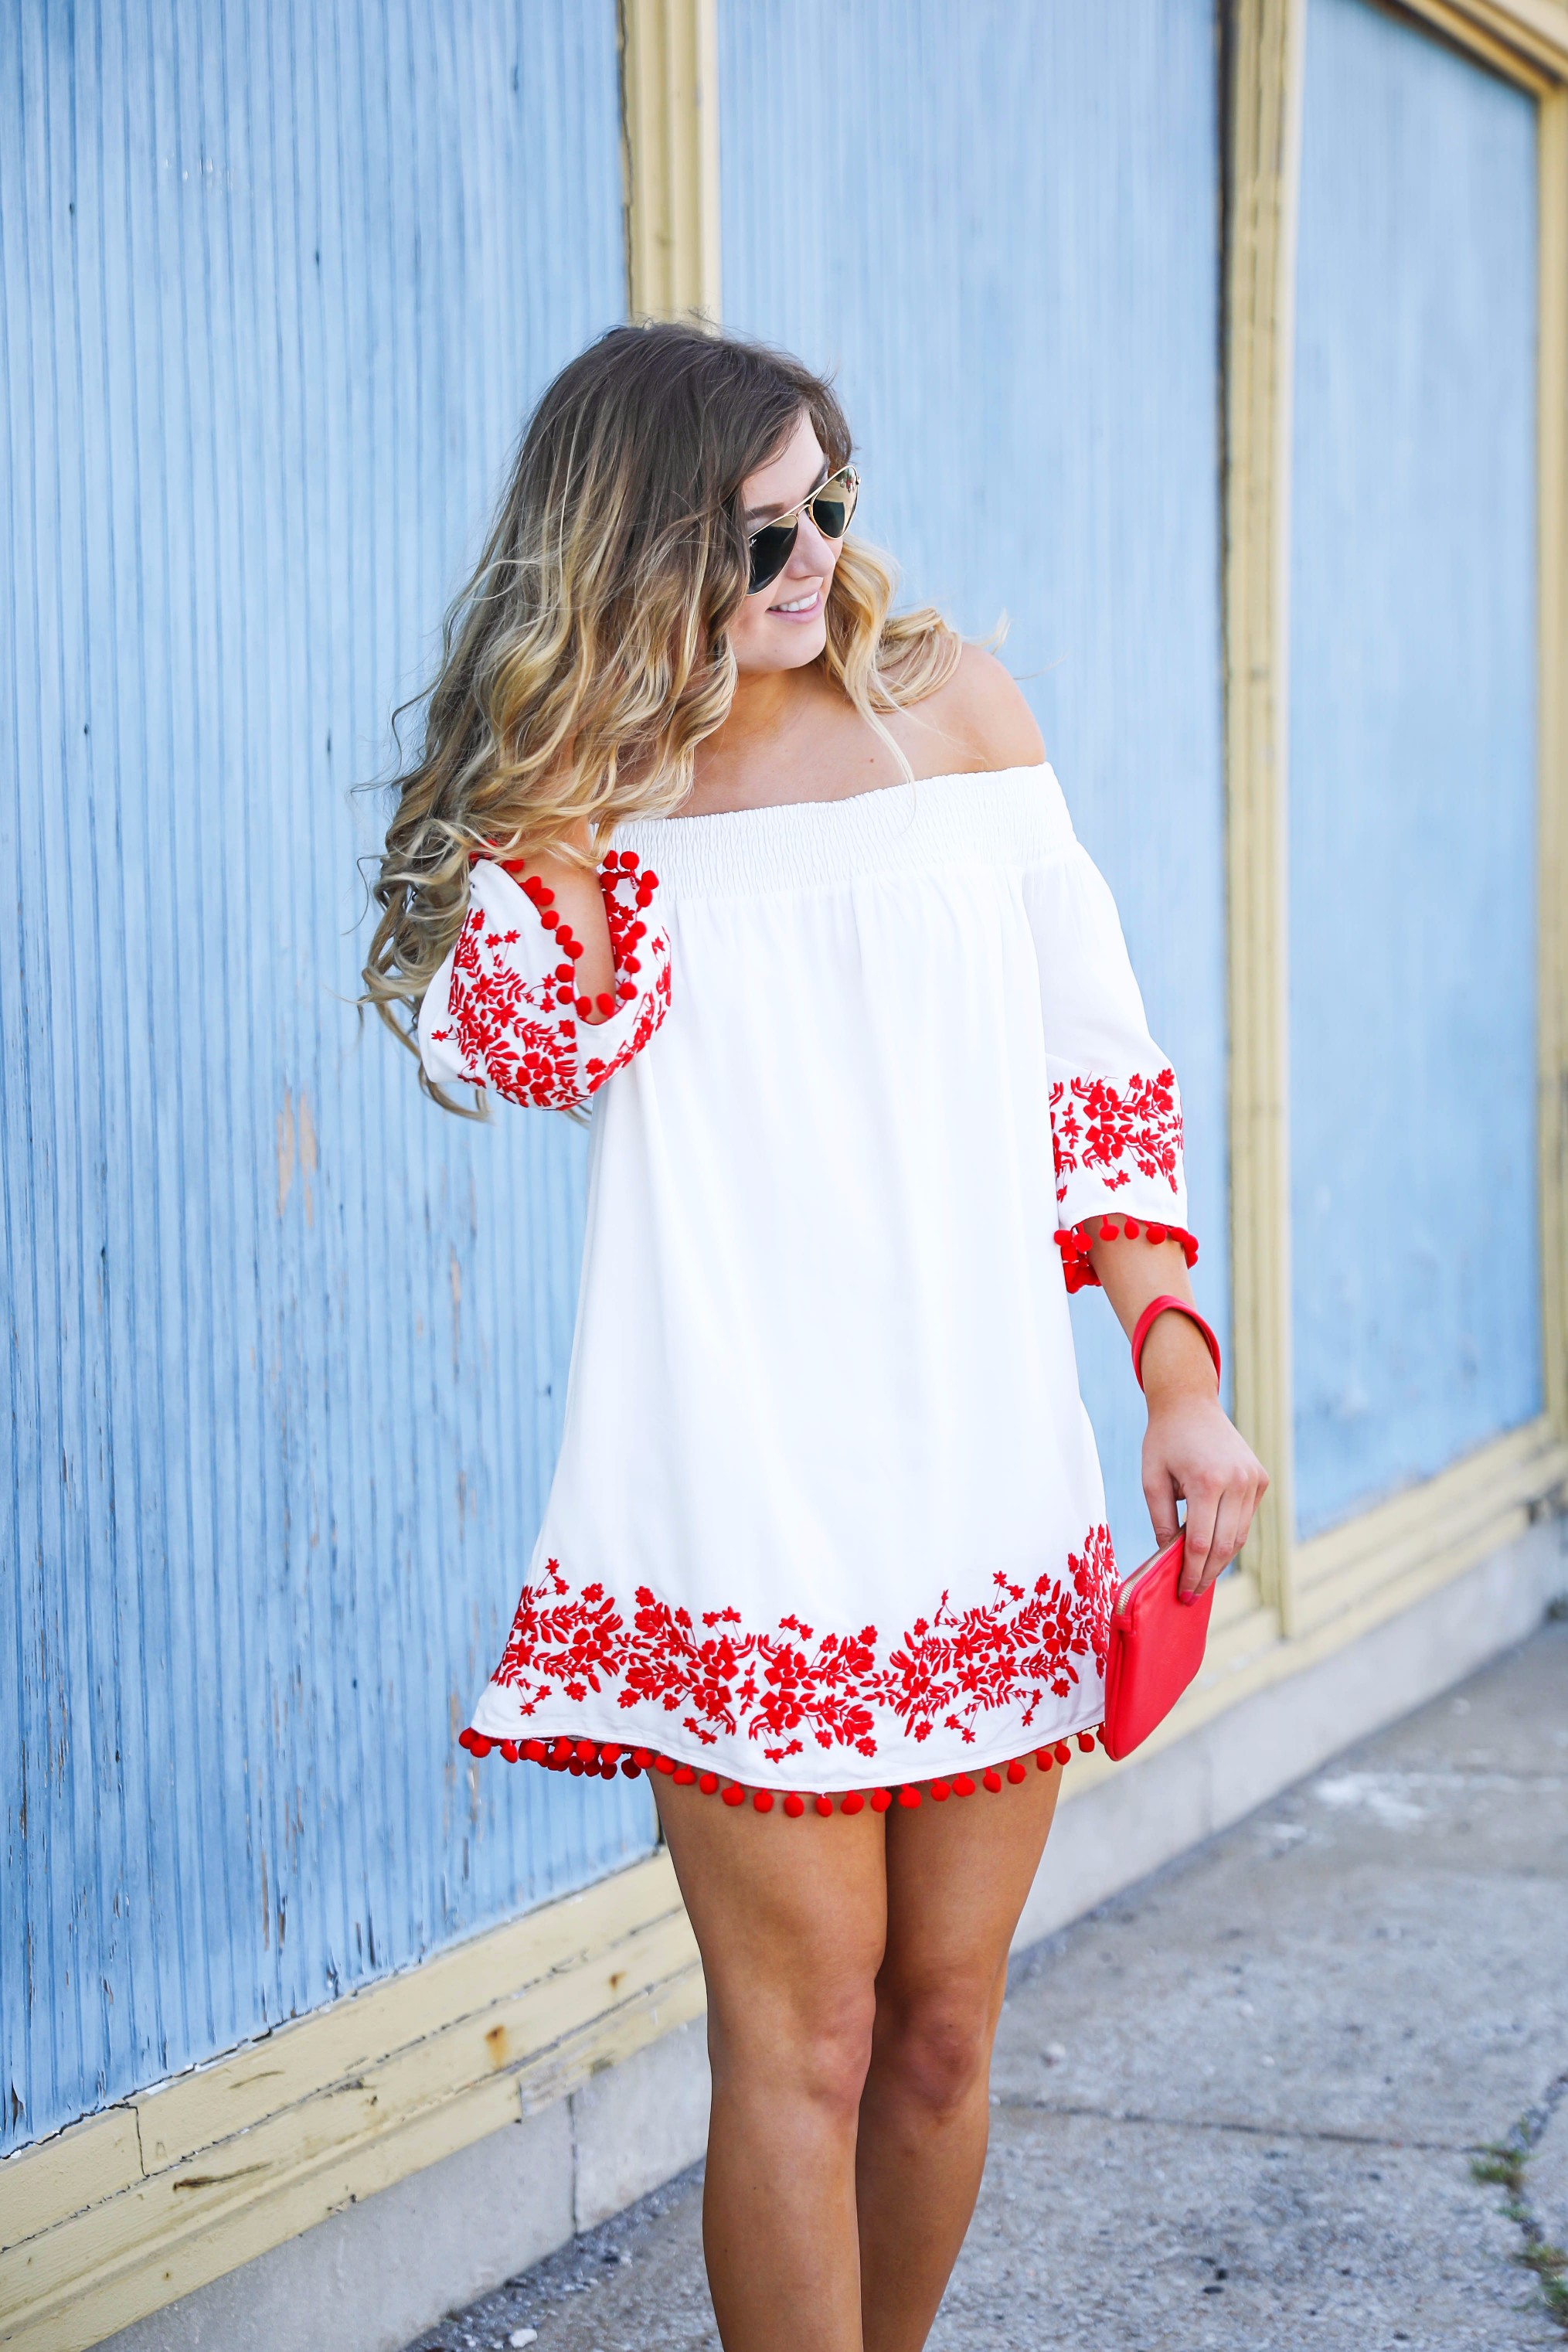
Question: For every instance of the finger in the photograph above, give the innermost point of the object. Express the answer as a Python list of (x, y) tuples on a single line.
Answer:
[(1249, 1501), (1201, 1511), (1160, 1495), (1229, 1527)]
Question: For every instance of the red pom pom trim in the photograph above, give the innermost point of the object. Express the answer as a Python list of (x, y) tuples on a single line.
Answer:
[(605, 1759), (1075, 1242)]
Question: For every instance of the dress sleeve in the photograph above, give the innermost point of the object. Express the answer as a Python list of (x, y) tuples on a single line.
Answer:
[(1115, 1106), (503, 1011)]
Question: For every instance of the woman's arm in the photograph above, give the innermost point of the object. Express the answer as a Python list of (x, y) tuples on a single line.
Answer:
[(1192, 1451)]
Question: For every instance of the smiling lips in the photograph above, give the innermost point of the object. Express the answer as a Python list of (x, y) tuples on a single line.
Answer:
[(800, 608)]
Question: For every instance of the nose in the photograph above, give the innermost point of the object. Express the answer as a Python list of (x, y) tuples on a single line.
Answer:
[(812, 552)]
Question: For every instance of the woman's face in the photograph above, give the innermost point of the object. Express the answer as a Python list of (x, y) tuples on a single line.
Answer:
[(784, 626)]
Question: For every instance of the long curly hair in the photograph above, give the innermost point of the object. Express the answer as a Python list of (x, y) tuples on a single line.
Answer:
[(589, 655)]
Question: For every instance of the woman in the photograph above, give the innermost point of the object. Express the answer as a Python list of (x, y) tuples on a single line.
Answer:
[(784, 886)]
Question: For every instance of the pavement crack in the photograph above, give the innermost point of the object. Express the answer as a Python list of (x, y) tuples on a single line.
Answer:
[(1245, 2130), (1506, 2162)]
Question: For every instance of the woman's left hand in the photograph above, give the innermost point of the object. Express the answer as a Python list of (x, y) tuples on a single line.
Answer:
[(1194, 1453)]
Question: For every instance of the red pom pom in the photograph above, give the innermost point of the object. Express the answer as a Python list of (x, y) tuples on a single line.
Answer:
[(962, 1785), (685, 1776), (708, 1783), (824, 1805), (662, 1764), (1016, 1770), (763, 1801), (576, 1767), (585, 1005), (1107, 1230), (546, 894), (629, 860), (853, 1803), (564, 971), (509, 1750), (587, 1750), (880, 1800), (1130, 1228), (643, 1757), (533, 888), (1086, 1743), (535, 1750), (940, 1793), (561, 1751), (650, 880), (1063, 1753), (735, 1794), (794, 1804), (468, 1739), (1044, 1758), (992, 1778), (605, 1002), (631, 1768), (609, 1751), (1156, 1232), (909, 1796)]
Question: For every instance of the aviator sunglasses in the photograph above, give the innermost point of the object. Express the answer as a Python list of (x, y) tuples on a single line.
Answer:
[(830, 505)]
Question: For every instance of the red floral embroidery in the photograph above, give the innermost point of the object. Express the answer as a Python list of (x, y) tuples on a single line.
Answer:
[(1094, 1124), (520, 1036), (506, 1028), (784, 1687)]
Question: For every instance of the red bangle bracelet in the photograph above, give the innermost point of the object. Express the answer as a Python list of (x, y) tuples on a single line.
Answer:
[(1159, 1306)]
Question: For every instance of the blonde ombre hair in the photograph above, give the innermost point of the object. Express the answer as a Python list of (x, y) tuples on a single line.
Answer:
[(589, 655)]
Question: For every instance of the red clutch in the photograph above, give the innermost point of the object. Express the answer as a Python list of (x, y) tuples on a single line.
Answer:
[(1156, 1648)]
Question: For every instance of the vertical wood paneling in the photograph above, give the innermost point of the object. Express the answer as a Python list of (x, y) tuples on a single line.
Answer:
[(999, 224), (284, 1346), (1417, 1281)]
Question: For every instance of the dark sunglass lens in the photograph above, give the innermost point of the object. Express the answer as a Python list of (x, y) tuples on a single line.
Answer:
[(833, 507), (771, 549)]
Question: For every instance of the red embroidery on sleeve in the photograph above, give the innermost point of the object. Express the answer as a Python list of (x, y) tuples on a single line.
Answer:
[(1094, 1125), (521, 1038)]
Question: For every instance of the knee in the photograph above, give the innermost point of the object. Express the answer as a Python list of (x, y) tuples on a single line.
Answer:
[(936, 2048), (813, 2052)]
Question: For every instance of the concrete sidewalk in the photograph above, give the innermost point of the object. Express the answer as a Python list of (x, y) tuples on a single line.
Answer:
[(1244, 2105)]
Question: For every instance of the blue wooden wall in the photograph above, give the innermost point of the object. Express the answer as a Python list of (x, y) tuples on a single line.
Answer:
[(999, 224), (1412, 764), (284, 1346)]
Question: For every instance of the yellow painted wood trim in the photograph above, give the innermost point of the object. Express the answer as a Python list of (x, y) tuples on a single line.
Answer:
[(1469, 29), (1553, 849), (669, 114), (1261, 230), (1525, 39), (234, 2158), (1458, 1516)]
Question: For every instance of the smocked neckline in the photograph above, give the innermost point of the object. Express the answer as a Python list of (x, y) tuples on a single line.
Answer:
[(996, 816), (856, 800)]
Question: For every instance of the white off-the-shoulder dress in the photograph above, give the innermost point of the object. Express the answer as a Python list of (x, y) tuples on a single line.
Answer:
[(827, 1521)]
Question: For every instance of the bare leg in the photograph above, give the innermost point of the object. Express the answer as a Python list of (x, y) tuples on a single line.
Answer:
[(958, 1877), (791, 1918)]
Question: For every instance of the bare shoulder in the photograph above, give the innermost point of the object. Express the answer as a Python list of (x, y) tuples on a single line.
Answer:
[(981, 716)]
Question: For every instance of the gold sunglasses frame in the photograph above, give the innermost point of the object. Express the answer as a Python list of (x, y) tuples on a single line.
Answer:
[(845, 473)]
